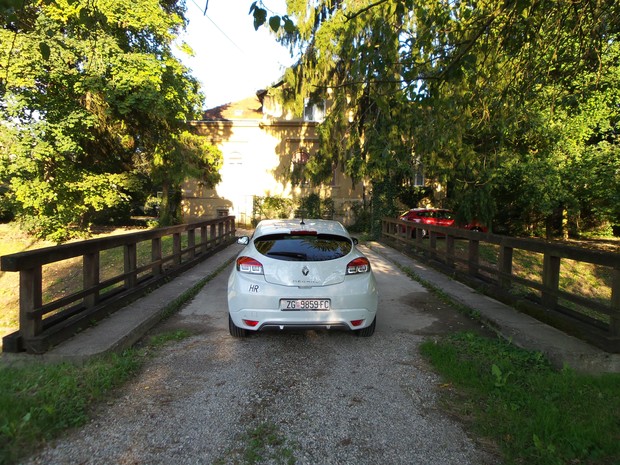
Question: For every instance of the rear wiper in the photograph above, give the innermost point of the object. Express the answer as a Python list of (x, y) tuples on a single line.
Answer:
[(295, 255)]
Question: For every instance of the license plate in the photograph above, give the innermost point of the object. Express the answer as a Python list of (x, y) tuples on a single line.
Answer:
[(305, 304)]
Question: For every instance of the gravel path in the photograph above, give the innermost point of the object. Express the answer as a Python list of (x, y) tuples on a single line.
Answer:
[(311, 397)]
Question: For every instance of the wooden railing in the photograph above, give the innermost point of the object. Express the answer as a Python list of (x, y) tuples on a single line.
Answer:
[(149, 258), (539, 287)]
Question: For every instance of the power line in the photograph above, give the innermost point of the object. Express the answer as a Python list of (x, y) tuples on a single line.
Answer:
[(216, 26)]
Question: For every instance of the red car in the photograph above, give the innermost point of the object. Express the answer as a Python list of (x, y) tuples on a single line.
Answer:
[(437, 217)]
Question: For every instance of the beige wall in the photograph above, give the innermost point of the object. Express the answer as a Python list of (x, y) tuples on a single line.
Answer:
[(257, 156)]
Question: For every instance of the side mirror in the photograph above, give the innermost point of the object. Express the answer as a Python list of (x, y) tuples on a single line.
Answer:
[(243, 240)]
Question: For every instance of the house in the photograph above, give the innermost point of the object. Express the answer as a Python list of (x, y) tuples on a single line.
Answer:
[(261, 144)]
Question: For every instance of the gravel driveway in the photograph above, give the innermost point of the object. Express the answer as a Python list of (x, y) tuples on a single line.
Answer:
[(311, 397)]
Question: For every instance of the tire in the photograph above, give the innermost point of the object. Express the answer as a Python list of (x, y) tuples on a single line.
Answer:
[(368, 330), (236, 331)]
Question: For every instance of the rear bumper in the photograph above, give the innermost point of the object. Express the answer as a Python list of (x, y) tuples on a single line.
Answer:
[(353, 304)]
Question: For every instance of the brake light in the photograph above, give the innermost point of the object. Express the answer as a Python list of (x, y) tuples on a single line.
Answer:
[(249, 265), (304, 232), (359, 265)]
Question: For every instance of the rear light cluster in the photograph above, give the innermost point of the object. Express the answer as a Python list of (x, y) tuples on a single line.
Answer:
[(359, 265), (304, 232), (252, 266), (249, 265)]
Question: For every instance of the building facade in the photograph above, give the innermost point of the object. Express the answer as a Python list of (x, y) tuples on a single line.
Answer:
[(261, 144)]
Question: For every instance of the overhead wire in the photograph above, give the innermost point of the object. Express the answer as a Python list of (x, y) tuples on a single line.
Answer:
[(216, 26)]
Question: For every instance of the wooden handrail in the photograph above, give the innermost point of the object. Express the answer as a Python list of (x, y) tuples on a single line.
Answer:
[(39, 329), (409, 235)]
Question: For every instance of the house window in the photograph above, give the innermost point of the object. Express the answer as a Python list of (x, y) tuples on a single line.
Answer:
[(418, 177), (314, 111), (235, 159), (301, 157)]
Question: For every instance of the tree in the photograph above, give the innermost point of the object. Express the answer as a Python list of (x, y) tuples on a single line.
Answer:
[(93, 102), (478, 92)]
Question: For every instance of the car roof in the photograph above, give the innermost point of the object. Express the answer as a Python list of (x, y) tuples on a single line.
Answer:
[(286, 226), (428, 210)]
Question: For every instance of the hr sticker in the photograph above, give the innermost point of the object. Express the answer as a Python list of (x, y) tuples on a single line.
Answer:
[(253, 288)]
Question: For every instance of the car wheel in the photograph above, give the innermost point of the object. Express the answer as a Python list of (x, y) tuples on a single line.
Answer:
[(368, 330), (236, 331), (422, 232)]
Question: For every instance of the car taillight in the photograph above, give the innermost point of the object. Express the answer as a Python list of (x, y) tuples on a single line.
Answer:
[(304, 232), (249, 265), (359, 265)]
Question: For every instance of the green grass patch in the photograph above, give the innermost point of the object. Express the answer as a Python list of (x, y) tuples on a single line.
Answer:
[(537, 415), (40, 401), (265, 443)]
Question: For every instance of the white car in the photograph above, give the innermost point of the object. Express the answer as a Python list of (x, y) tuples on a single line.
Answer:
[(301, 274)]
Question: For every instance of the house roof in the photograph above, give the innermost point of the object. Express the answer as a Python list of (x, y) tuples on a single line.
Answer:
[(248, 108)]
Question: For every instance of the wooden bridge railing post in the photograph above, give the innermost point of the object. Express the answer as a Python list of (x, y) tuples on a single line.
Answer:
[(203, 239), (433, 245), (212, 237), (191, 242), (156, 255), (474, 257), (30, 297), (220, 232), (614, 324), (505, 266), (131, 259), (176, 248), (551, 280), (450, 260), (90, 277)]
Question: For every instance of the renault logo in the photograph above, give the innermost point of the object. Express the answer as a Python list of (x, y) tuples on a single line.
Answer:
[(305, 270)]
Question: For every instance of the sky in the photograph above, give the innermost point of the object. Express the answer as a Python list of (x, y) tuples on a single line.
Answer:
[(232, 60)]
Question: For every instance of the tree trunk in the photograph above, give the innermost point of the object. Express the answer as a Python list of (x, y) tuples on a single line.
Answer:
[(165, 217)]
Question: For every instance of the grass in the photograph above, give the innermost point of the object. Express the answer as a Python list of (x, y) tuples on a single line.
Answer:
[(40, 401), (263, 443), (537, 415)]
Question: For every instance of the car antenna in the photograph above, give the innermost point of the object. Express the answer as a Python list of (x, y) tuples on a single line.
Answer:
[(302, 221)]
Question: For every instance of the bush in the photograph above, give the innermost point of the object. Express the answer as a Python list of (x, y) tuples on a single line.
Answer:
[(271, 207)]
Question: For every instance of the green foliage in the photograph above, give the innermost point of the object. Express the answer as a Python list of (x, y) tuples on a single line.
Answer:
[(93, 101), (362, 219), (512, 105), (272, 207), (311, 206), (275, 21), (537, 415)]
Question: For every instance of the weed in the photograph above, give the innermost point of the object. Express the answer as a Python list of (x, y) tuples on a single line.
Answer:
[(536, 414), (264, 443), (40, 401), (161, 339)]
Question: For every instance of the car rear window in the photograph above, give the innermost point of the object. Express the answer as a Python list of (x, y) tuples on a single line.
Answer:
[(305, 248)]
